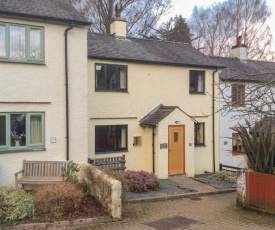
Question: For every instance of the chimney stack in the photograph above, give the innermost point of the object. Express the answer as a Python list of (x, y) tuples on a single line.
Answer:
[(239, 51), (118, 26)]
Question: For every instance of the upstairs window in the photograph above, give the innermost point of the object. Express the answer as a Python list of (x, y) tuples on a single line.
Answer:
[(237, 147), (110, 77), (238, 95), (21, 43), (110, 138), (21, 130), (199, 134), (196, 81)]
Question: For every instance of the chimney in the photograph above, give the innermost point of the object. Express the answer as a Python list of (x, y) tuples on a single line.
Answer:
[(239, 51), (118, 26)]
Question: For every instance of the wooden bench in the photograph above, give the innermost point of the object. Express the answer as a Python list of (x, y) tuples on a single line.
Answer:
[(116, 164), (41, 172)]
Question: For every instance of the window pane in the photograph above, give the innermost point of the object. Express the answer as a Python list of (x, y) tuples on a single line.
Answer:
[(2, 40), (99, 138), (18, 130), (17, 42), (234, 93), (35, 43), (100, 77), (122, 78), (199, 133), (111, 77), (111, 137), (193, 83), (236, 143), (36, 129), (122, 138), (3, 130)]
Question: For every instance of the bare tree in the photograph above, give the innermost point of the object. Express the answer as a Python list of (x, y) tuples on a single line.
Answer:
[(219, 25), (141, 15)]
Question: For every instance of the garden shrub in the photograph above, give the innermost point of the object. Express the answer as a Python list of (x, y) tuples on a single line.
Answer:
[(141, 181), (54, 200), (226, 176), (15, 205)]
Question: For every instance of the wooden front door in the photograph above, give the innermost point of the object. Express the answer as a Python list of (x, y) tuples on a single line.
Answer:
[(176, 150)]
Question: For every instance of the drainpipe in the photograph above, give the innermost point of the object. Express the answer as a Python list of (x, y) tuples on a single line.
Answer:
[(153, 147), (213, 119), (67, 92)]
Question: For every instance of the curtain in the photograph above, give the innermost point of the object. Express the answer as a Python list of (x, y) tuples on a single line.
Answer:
[(123, 137), (2, 130), (35, 43), (36, 129), (122, 79), (17, 42), (200, 83)]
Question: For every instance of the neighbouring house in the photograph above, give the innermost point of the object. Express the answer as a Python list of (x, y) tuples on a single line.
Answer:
[(239, 99), (43, 72), (152, 101)]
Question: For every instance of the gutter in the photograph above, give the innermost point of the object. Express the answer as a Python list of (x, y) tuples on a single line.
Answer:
[(213, 119), (67, 93)]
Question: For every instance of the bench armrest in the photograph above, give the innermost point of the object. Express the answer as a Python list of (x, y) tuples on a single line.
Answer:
[(16, 176)]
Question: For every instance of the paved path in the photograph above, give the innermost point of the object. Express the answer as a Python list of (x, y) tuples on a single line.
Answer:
[(216, 212)]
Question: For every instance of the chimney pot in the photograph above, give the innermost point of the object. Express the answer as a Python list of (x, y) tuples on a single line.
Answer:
[(239, 40), (118, 10)]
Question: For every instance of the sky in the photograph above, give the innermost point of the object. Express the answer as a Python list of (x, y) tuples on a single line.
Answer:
[(185, 8)]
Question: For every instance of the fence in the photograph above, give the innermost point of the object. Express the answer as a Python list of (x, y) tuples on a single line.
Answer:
[(117, 164)]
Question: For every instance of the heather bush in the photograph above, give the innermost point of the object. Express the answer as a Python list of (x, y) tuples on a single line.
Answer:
[(141, 181), (53, 200), (15, 205), (226, 176)]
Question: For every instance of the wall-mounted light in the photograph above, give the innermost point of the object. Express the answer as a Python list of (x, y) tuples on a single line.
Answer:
[(177, 122)]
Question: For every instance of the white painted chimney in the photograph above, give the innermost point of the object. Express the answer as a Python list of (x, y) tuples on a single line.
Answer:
[(239, 51), (118, 26)]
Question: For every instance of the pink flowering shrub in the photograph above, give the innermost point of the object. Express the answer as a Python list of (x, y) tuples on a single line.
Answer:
[(141, 181)]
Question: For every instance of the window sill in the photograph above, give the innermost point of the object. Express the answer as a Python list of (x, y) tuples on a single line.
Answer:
[(200, 145), (111, 152), (237, 153), (112, 91), (21, 150), (23, 62), (198, 93)]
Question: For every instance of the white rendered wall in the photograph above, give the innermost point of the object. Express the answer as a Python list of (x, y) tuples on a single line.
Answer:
[(41, 88)]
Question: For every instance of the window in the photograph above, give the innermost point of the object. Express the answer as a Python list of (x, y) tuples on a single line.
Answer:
[(21, 43), (110, 77), (237, 147), (21, 130), (110, 138), (199, 134), (196, 81), (238, 95)]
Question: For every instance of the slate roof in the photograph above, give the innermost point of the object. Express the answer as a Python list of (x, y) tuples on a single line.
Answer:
[(251, 71), (109, 47), (158, 114), (50, 10)]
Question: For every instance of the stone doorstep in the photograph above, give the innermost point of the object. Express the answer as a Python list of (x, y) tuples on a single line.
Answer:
[(60, 224), (179, 196)]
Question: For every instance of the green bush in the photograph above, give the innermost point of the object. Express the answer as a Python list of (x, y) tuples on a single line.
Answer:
[(15, 205), (226, 176), (55, 200)]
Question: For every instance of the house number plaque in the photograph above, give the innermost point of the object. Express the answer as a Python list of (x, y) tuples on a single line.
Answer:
[(163, 146)]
